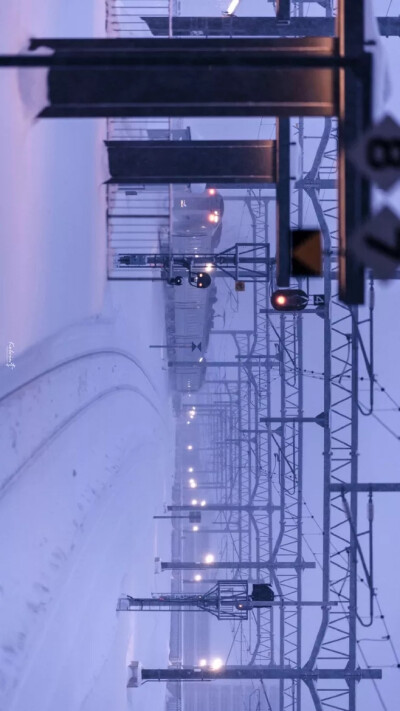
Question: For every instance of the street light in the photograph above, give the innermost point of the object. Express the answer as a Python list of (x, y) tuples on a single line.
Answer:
[(189, 447), (216, 664), (209, 558), (195, 528), (190, 470), (203, 503), (197, 578), (192, 483), (202, 662), (194, 502)]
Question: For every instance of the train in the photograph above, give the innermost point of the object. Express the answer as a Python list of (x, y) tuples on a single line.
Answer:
[(197, 214)]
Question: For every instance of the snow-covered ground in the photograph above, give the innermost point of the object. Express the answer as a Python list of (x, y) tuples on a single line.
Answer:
[(87, 454), (52, 212), (86, 427)]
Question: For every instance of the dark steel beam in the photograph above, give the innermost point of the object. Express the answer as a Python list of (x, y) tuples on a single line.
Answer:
[(282, 10), (360, 488), (283, 245), (188, 161), (256, 672), (354, 118), (154, 77), (233, 26)]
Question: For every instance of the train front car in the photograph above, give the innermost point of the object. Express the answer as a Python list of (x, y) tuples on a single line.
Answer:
[(197, 214)]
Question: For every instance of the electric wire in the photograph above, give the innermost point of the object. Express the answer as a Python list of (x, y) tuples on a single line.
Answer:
[(376, 687), (345, 611), (381, 615)]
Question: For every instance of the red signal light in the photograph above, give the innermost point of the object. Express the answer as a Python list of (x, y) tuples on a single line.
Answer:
[(289, 299)]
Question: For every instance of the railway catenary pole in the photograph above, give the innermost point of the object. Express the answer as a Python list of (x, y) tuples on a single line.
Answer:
[(340, 465), (224, 507), (263, 647), (140, 675), (234, 565), (282, 346)]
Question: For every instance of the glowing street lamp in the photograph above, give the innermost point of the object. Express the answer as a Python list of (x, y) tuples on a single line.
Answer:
[(190, 470), (192, 483), (202, 662), (195, 528), (197, 578), (216, 664), (203, 503), (189, 447), (194, 502), (209, 558)]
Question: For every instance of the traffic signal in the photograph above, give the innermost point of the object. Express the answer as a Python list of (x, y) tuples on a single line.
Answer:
[(175, 281), (289, 300), (200, 279)]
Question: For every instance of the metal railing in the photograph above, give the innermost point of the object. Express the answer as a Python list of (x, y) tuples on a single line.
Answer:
[(123, 17)]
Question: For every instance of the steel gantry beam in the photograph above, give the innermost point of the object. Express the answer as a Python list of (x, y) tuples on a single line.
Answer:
[(227, 600), (234, 26), (239, 673), (263, 648), (336, 639), (153, 77)]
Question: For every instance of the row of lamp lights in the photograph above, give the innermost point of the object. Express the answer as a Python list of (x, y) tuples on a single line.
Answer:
[(214, 664), (191, 415), (209, 558)]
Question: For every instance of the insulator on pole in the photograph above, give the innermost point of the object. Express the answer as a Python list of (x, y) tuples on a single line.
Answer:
[(371, 297), (370, 509)]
